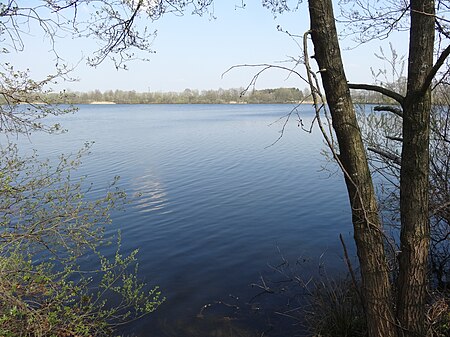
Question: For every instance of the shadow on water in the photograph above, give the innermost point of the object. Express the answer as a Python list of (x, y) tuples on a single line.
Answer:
[(211, 326), (221, 321), (275, 305)]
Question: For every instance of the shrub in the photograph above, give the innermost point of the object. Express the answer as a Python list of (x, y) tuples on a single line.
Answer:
[(47, 227)]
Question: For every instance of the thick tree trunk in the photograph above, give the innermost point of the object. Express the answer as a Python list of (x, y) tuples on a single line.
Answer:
[(415, 232), (368, 234)]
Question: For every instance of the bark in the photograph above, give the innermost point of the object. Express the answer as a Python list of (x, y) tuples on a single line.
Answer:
[(415, 231), (376, 289)]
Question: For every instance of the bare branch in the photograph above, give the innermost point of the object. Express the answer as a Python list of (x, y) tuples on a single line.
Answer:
[(265, 67), (351, 271), (397, 139), (440, 61), (367, 20), (370, 87), (389, 108), (387, 155)]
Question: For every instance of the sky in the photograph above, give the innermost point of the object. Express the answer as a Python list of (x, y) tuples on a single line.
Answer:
[(194, 52)]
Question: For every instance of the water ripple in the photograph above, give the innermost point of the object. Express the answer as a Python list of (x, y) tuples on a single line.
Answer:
[(150, 194)]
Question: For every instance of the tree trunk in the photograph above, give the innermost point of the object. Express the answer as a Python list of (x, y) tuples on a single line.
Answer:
[(368, 233), (415, 231)]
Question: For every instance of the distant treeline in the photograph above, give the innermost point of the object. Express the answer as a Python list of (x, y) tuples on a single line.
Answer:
[(188, 96)]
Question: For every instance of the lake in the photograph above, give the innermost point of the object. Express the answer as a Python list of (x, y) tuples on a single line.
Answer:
[(212, 202)]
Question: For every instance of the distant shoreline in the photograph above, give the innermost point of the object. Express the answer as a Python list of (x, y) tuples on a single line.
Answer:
[(192, 103), (101, 102), (177, 103), (238, 96)]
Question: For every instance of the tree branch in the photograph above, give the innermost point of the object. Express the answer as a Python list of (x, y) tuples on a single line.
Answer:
[(387, 155), (397, 139), (440, 61), (389, 108), (389, 93)]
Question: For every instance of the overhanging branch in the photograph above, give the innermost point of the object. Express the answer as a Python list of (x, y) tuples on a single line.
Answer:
[(370, 87)]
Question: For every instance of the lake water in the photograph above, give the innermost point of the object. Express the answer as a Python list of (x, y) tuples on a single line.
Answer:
[(211, 202)]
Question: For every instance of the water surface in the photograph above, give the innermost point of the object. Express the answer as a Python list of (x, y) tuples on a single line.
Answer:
[(211, 201)]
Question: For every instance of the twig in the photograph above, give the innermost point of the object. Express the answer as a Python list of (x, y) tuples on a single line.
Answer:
[(351, 271)]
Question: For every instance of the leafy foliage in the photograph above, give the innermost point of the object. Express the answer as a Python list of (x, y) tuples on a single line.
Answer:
[(48, 227)]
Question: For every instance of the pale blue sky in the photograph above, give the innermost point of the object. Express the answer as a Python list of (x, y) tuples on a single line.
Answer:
[(193, 52)]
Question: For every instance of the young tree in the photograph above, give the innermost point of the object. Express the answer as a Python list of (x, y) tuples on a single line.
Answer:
[(47, 226)]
